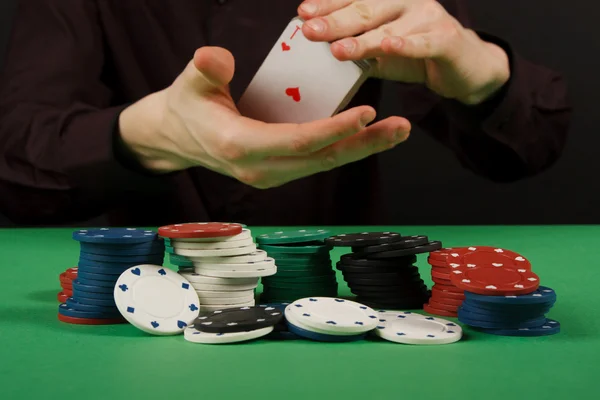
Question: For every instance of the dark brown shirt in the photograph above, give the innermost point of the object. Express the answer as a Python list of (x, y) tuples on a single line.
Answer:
[(72, 65)]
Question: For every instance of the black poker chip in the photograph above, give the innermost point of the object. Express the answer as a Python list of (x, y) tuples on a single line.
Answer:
[(400, 274), (406, 304), (397, 281), (414, 288), (362, 239), (238, 319), (407, 242), (385, 255), (356, 260)]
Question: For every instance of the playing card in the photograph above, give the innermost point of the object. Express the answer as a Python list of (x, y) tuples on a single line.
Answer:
[(301, 81)]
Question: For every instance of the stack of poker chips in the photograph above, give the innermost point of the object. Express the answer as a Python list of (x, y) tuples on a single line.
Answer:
[(225, 263), (445, 297), (502, 294), (66, 283), (380, 269), (303, 265), (105, 254)]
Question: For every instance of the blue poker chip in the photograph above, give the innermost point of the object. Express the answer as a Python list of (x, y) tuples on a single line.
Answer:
[(80, 287), (77, 293), (75, 305), (108, 272), (115, 235), (90, 276), (142, 259), (96, 283), (505, 313), (94, 302), (65, 310), (549, 327), (134, 249), (543, 295), (505, 319), (501, 325), (321, 337)]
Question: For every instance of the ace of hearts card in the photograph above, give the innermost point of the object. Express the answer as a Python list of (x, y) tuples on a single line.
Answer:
[(301, 81)]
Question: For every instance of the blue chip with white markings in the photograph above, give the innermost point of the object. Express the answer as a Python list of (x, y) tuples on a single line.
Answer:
[(543, 295), (115, 235), (549, 327)]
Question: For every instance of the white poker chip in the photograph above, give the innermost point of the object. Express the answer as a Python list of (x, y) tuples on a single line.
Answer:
[(237, 274), (245, 234), (235, 251), (223, 288), (212, 294), (217, 307), (255, 256), (333, 315), (193, 277), (250, 266), (294, 321), (156, 299), (226, 300), (193, 335), (413, 328), (211, 245)]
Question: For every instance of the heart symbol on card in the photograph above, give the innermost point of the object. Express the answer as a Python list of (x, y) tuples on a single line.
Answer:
[(294, 93), (285, 46)]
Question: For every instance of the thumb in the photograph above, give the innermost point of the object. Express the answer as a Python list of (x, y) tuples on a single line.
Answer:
[(212, 68)]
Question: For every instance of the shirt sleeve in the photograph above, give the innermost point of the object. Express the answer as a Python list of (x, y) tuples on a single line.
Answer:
[(519, 132), (58, 118)]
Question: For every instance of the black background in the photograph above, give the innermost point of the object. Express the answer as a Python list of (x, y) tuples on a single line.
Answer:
[(424, 182)]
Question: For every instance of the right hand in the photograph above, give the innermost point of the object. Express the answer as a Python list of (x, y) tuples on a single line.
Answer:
[(194, 122)]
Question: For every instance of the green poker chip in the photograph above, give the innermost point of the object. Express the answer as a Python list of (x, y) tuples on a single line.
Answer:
[(297, 236), (301, 258), (300, 273)]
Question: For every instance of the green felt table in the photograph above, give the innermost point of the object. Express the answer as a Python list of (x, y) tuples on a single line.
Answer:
[(41, 357)]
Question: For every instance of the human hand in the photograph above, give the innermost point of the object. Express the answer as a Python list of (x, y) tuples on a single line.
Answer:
[(412, 41), (194, 122)]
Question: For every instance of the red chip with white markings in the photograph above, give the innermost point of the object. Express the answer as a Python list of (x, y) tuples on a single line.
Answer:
[(200, 230), (442, 254), (486, 255), (494, 281)]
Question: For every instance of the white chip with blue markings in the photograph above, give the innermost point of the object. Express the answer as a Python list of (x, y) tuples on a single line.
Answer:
[(412, 328)]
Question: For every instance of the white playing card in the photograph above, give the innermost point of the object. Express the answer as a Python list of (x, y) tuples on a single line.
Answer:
[(301, 81)]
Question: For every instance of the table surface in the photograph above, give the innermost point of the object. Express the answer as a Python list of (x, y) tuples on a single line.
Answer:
[(41, 357)]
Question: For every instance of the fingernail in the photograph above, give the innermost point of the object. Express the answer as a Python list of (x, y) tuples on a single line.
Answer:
[(365, 118), (347, 44), (309, 8), (396, 42), (398, 136), (316, 25)]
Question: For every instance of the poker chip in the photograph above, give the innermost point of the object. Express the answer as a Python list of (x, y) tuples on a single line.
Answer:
[(297, 328), (549, 327), (436, 311), (202, 230), (412, 328), (258, 272), (62, 297), (67, 311), (218, 307), (114, 235), (355, 260), (244, 234), (485, 255), (294, 250), (193, 335), (404, 242), (363, 239), (494, 280), (90, 321), (128, 260), (267, 263), (542, 295), (156, 300), (196, 253), (238, 319), (431, 246), (296, 236), (177, 246), (333, 315)]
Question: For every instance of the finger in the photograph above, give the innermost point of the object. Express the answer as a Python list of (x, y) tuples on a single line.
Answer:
[(368, 45), (356, 18), (316, 8), (376, 138), (211, 68), (263, 139), (418, 46)]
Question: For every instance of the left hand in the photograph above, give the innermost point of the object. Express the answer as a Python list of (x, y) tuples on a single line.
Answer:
[(412, 41)]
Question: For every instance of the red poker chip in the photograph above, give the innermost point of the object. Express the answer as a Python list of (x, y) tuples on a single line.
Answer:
[(446, 282), (71, 273), (437, 293), (441, 275), (443, 306), (68, 292), (436, 311), (438, 298), (199, 230), (64, 277), (486, 255), (90, 321), (495, 281), (62, 297), (66, 287), (437, 263), (442, 254), (448, 288)]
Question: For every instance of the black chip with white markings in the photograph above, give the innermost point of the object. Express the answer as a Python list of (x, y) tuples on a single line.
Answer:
[(362, 239), (241, 319), (405, 242)]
